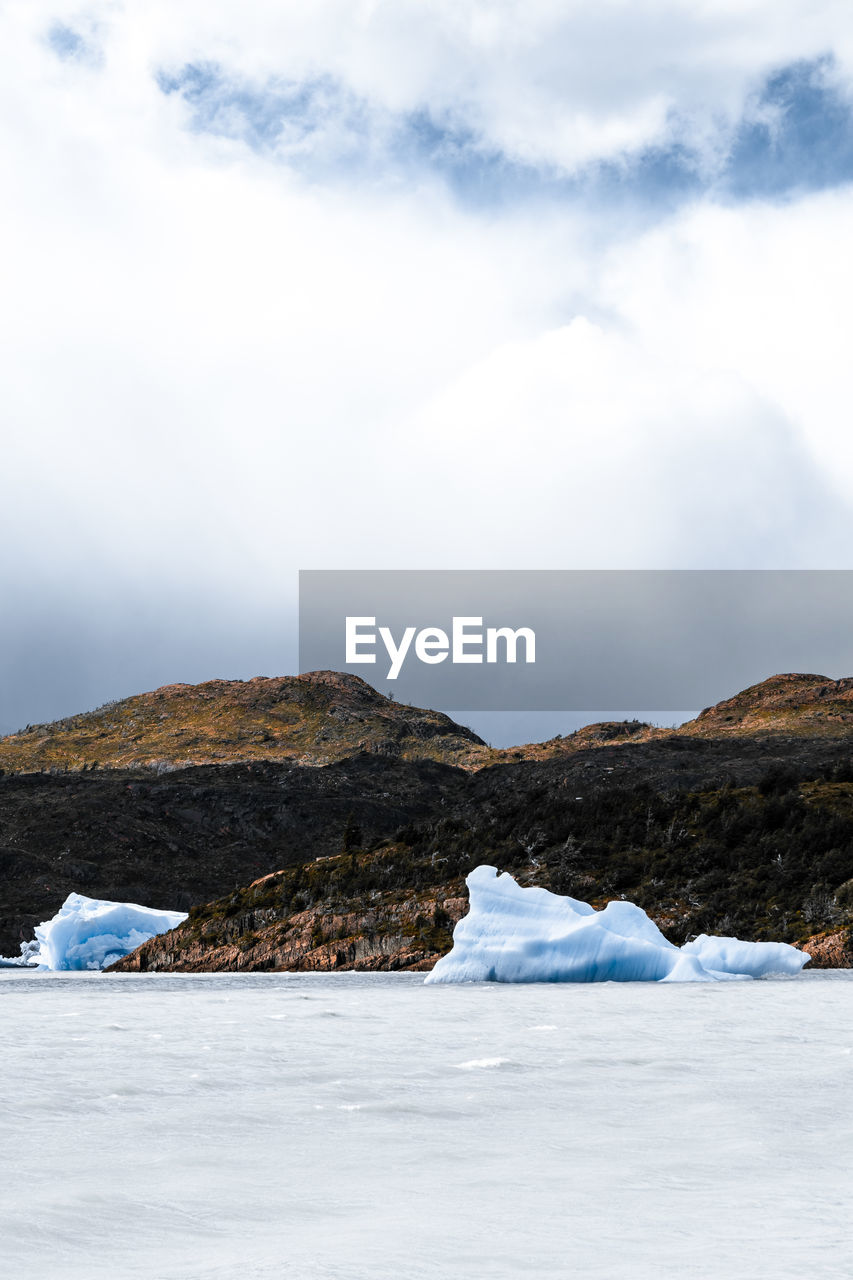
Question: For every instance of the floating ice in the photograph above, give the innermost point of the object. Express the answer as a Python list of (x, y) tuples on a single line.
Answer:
[(89, 933), (755, 959), (511, 934), (26, 960)]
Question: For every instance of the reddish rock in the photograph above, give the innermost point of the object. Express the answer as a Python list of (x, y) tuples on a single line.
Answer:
[(410, 932), (830, 950)]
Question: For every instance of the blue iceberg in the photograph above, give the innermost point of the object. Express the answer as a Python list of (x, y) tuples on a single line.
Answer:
[(90, 933), (512, 934)]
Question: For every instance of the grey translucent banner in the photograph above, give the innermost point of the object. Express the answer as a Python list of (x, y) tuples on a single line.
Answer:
[(601, 639)]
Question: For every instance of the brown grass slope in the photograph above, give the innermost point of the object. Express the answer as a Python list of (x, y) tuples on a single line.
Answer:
[(313, 719), (325, 716), (805, 705)]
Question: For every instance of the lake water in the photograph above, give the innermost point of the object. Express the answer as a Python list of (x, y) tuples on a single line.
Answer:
[(355, 1126)]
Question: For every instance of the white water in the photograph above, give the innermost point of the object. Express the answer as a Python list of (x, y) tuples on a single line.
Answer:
[(355, 1126)]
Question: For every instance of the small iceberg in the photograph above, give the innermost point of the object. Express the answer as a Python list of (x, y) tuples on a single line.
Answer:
[(26, 960), (512, 934), (90, 933)]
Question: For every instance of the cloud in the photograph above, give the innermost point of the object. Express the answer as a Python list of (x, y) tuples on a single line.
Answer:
[(288, 119), (75, 41), (65, 41), (550, 85), (797, 133), (794, 135), (250, 325)]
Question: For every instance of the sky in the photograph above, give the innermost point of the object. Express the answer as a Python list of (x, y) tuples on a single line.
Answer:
[(405, 284)]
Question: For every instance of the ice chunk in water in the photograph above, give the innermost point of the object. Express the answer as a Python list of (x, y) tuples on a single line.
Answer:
[(89, 933), (512, 934)]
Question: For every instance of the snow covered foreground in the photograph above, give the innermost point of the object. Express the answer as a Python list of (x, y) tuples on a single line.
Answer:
[(90, 933), (512, 934)]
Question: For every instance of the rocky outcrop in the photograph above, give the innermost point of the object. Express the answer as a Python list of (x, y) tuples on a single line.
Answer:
[(807, 705), (830, 950), (393, 932)]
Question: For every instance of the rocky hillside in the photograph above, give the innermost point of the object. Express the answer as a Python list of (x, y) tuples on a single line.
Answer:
[(315, 917), (184, 837), (326, 716), (770, 860), (805, 705), (740, 821), (789, 705), (312, 719)]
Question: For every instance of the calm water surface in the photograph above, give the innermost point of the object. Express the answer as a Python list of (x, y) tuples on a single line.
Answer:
[(354, 1126)]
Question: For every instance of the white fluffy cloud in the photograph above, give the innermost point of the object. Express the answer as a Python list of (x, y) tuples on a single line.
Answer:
[(701, 418), (218, 371), (553, 81)]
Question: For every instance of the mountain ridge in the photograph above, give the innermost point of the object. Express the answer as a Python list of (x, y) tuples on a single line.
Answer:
[(318, 718)]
